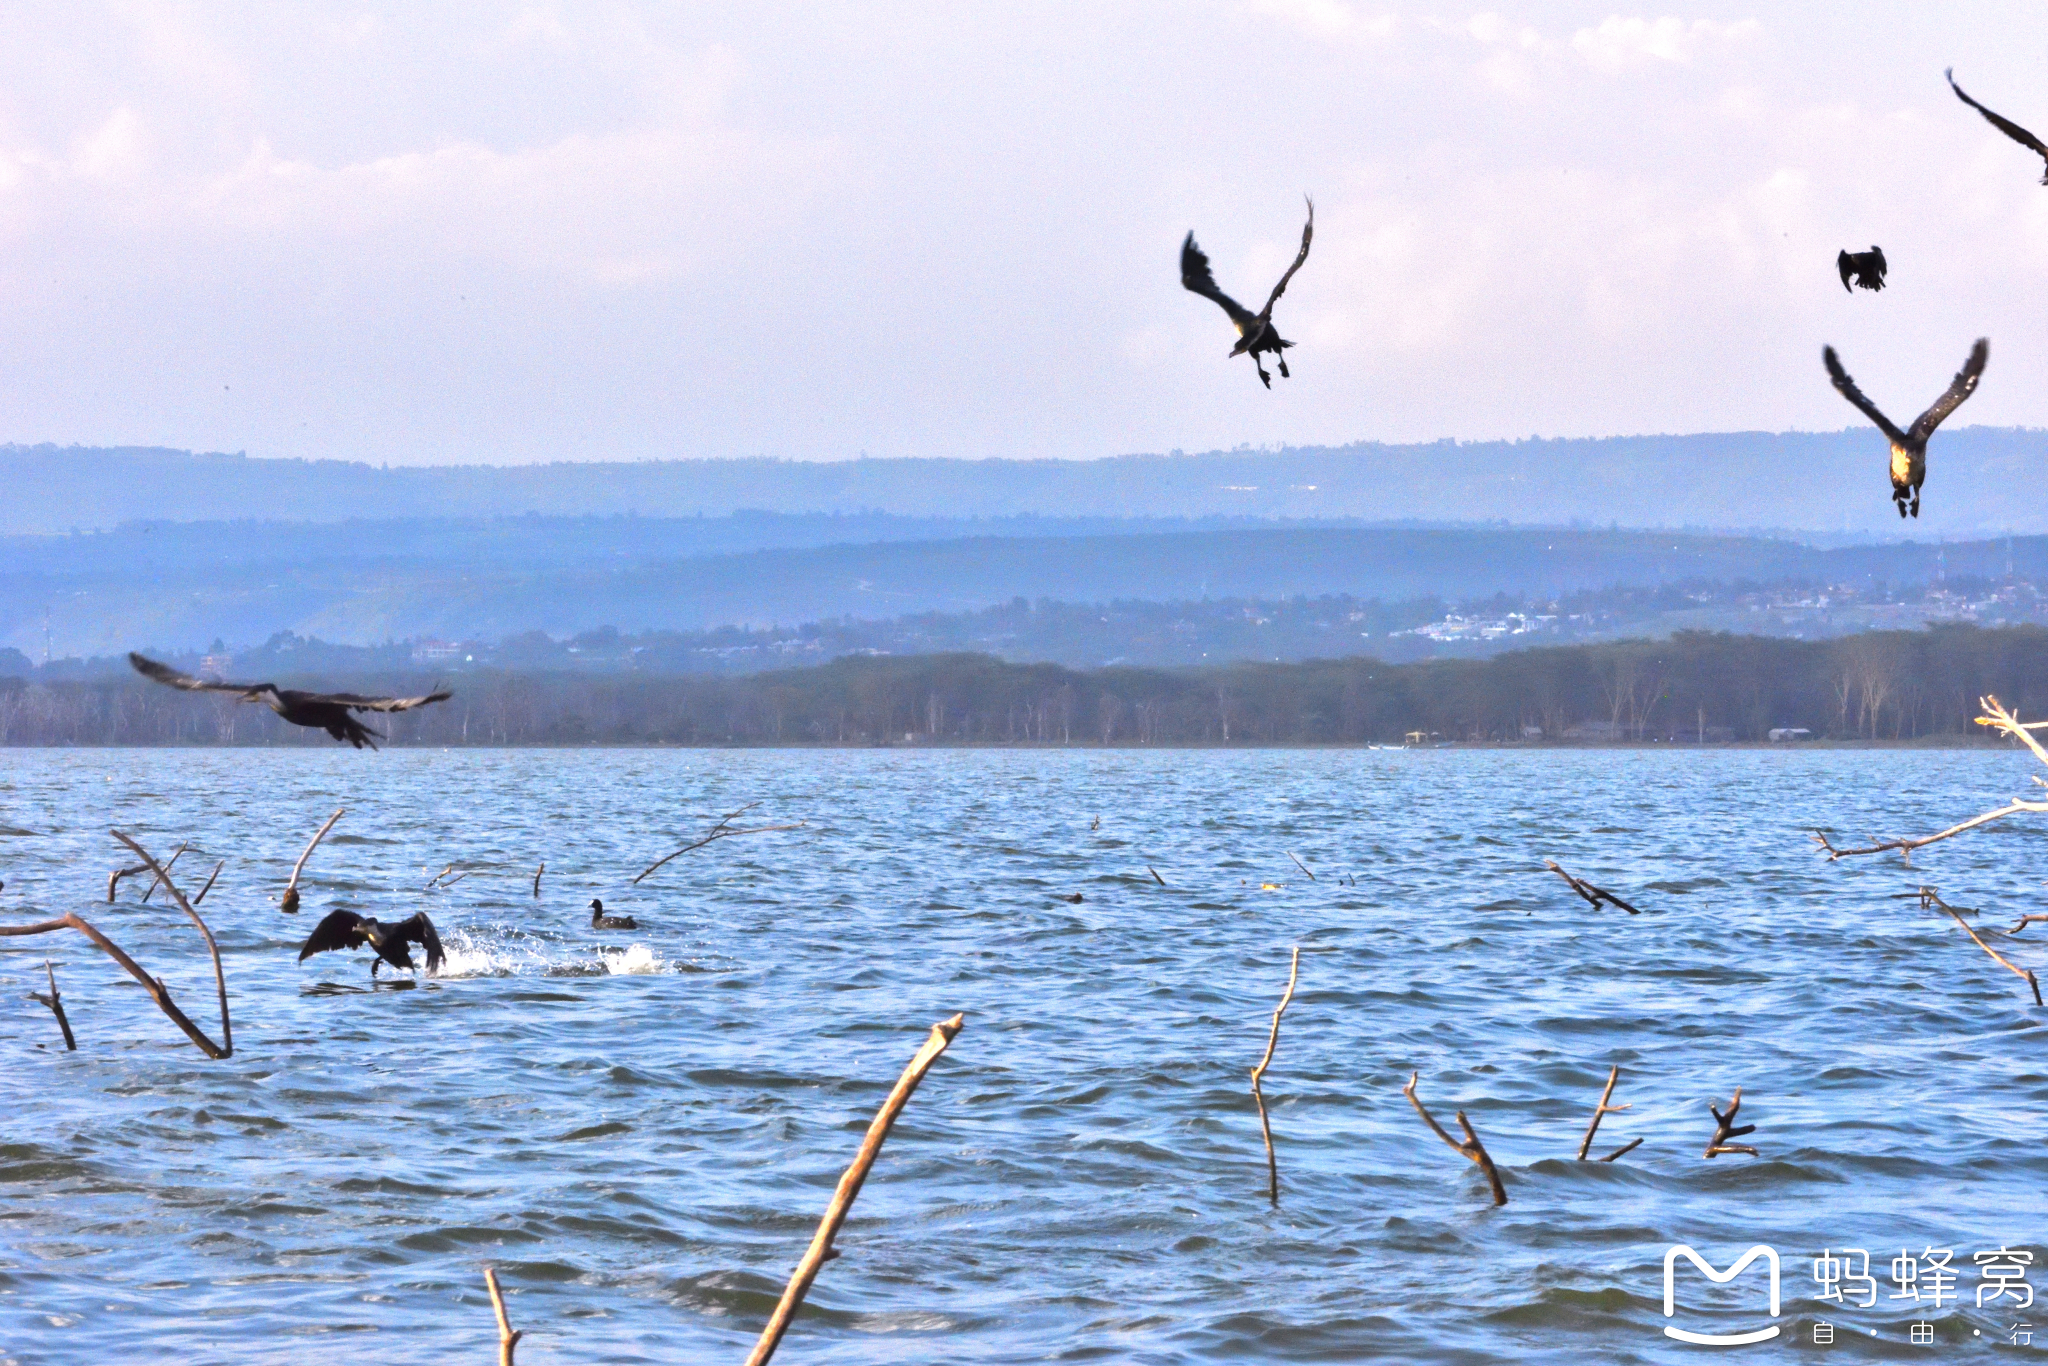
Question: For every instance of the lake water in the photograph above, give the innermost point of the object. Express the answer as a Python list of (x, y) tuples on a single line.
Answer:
[(640, 1129)]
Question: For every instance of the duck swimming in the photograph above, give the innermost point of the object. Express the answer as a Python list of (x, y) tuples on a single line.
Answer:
[(600, 921), (347, 930)]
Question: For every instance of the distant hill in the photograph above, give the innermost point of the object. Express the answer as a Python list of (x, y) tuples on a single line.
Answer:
[(1828, 481), (180, 587)]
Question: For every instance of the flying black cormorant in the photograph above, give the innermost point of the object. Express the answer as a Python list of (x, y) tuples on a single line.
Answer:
[(347, 930), (1866, 267), (2003, 125), (321, 711)]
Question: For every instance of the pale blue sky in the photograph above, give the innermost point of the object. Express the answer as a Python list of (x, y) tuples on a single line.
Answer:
[(504, 232)]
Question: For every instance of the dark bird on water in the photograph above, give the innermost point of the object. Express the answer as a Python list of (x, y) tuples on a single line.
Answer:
[(600, 921), (2003, 125), (328, 711), (1255, 331), (1866, 267), (347, 930), (1909, 448)]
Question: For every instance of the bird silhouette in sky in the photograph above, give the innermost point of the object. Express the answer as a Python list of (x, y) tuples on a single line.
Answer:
[(1909, 448), (1255, 331)]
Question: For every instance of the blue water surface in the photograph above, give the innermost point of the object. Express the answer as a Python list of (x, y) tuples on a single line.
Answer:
[(640, 1129)]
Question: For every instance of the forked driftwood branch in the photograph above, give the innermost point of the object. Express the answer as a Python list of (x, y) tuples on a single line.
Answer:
[(156, 989), (1471, 1147), (1259, 1072), (55, 1001), (820, 1249), (1593, 895), (2027, 920), (1603, 1108), (1725, 1128), (441, 881), (723, 830), (1303, 866), (1996, 716), (114, 878), (220, 978), (209, 882), (508, 1338), (289, 902), (1930, 901), (1907, 846), (176, 854)]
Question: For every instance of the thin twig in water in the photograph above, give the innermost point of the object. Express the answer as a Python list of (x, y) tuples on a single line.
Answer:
[(209, 882), (1259, 1072), (1155, 875), (507, 1338), (289, 903), (220, 977), (1471, 1147), (1593, 895), (55, 1001), (1303, 866), (1928, 900), (1603, 1108), (176, 854), (722, 830), (1725, 1129), (820, 1249), (536, 878)]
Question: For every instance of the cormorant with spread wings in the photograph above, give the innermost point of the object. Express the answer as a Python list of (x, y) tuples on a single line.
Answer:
[(1865, 267), (2003, 125), (1255, 331), (1909, 448), (328, 711), (347, 930)]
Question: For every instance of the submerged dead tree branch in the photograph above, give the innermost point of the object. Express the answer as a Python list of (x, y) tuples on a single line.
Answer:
[(55, 1001), (1603, 1108), (1725, 1129), (723, 830), (158, 992), (220, 977), (176, 854), (289, 903), (209, 882), (1593, 895), (820, 1249), (1471, 1147), (1259, 1072), (507, 1337), (1930, 901), (1998, 718)]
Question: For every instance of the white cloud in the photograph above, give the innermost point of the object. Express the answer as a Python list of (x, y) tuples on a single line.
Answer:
[(1622, 44), (1329, 18)]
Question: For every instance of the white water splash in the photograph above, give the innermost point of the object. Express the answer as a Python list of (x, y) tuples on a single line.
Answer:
[(483, 953), (637, 959)]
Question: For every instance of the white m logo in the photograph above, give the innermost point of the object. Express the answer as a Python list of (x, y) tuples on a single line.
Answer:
[(1720, 1278)]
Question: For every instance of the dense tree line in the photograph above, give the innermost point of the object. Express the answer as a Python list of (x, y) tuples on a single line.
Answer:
[(1694, 686)]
